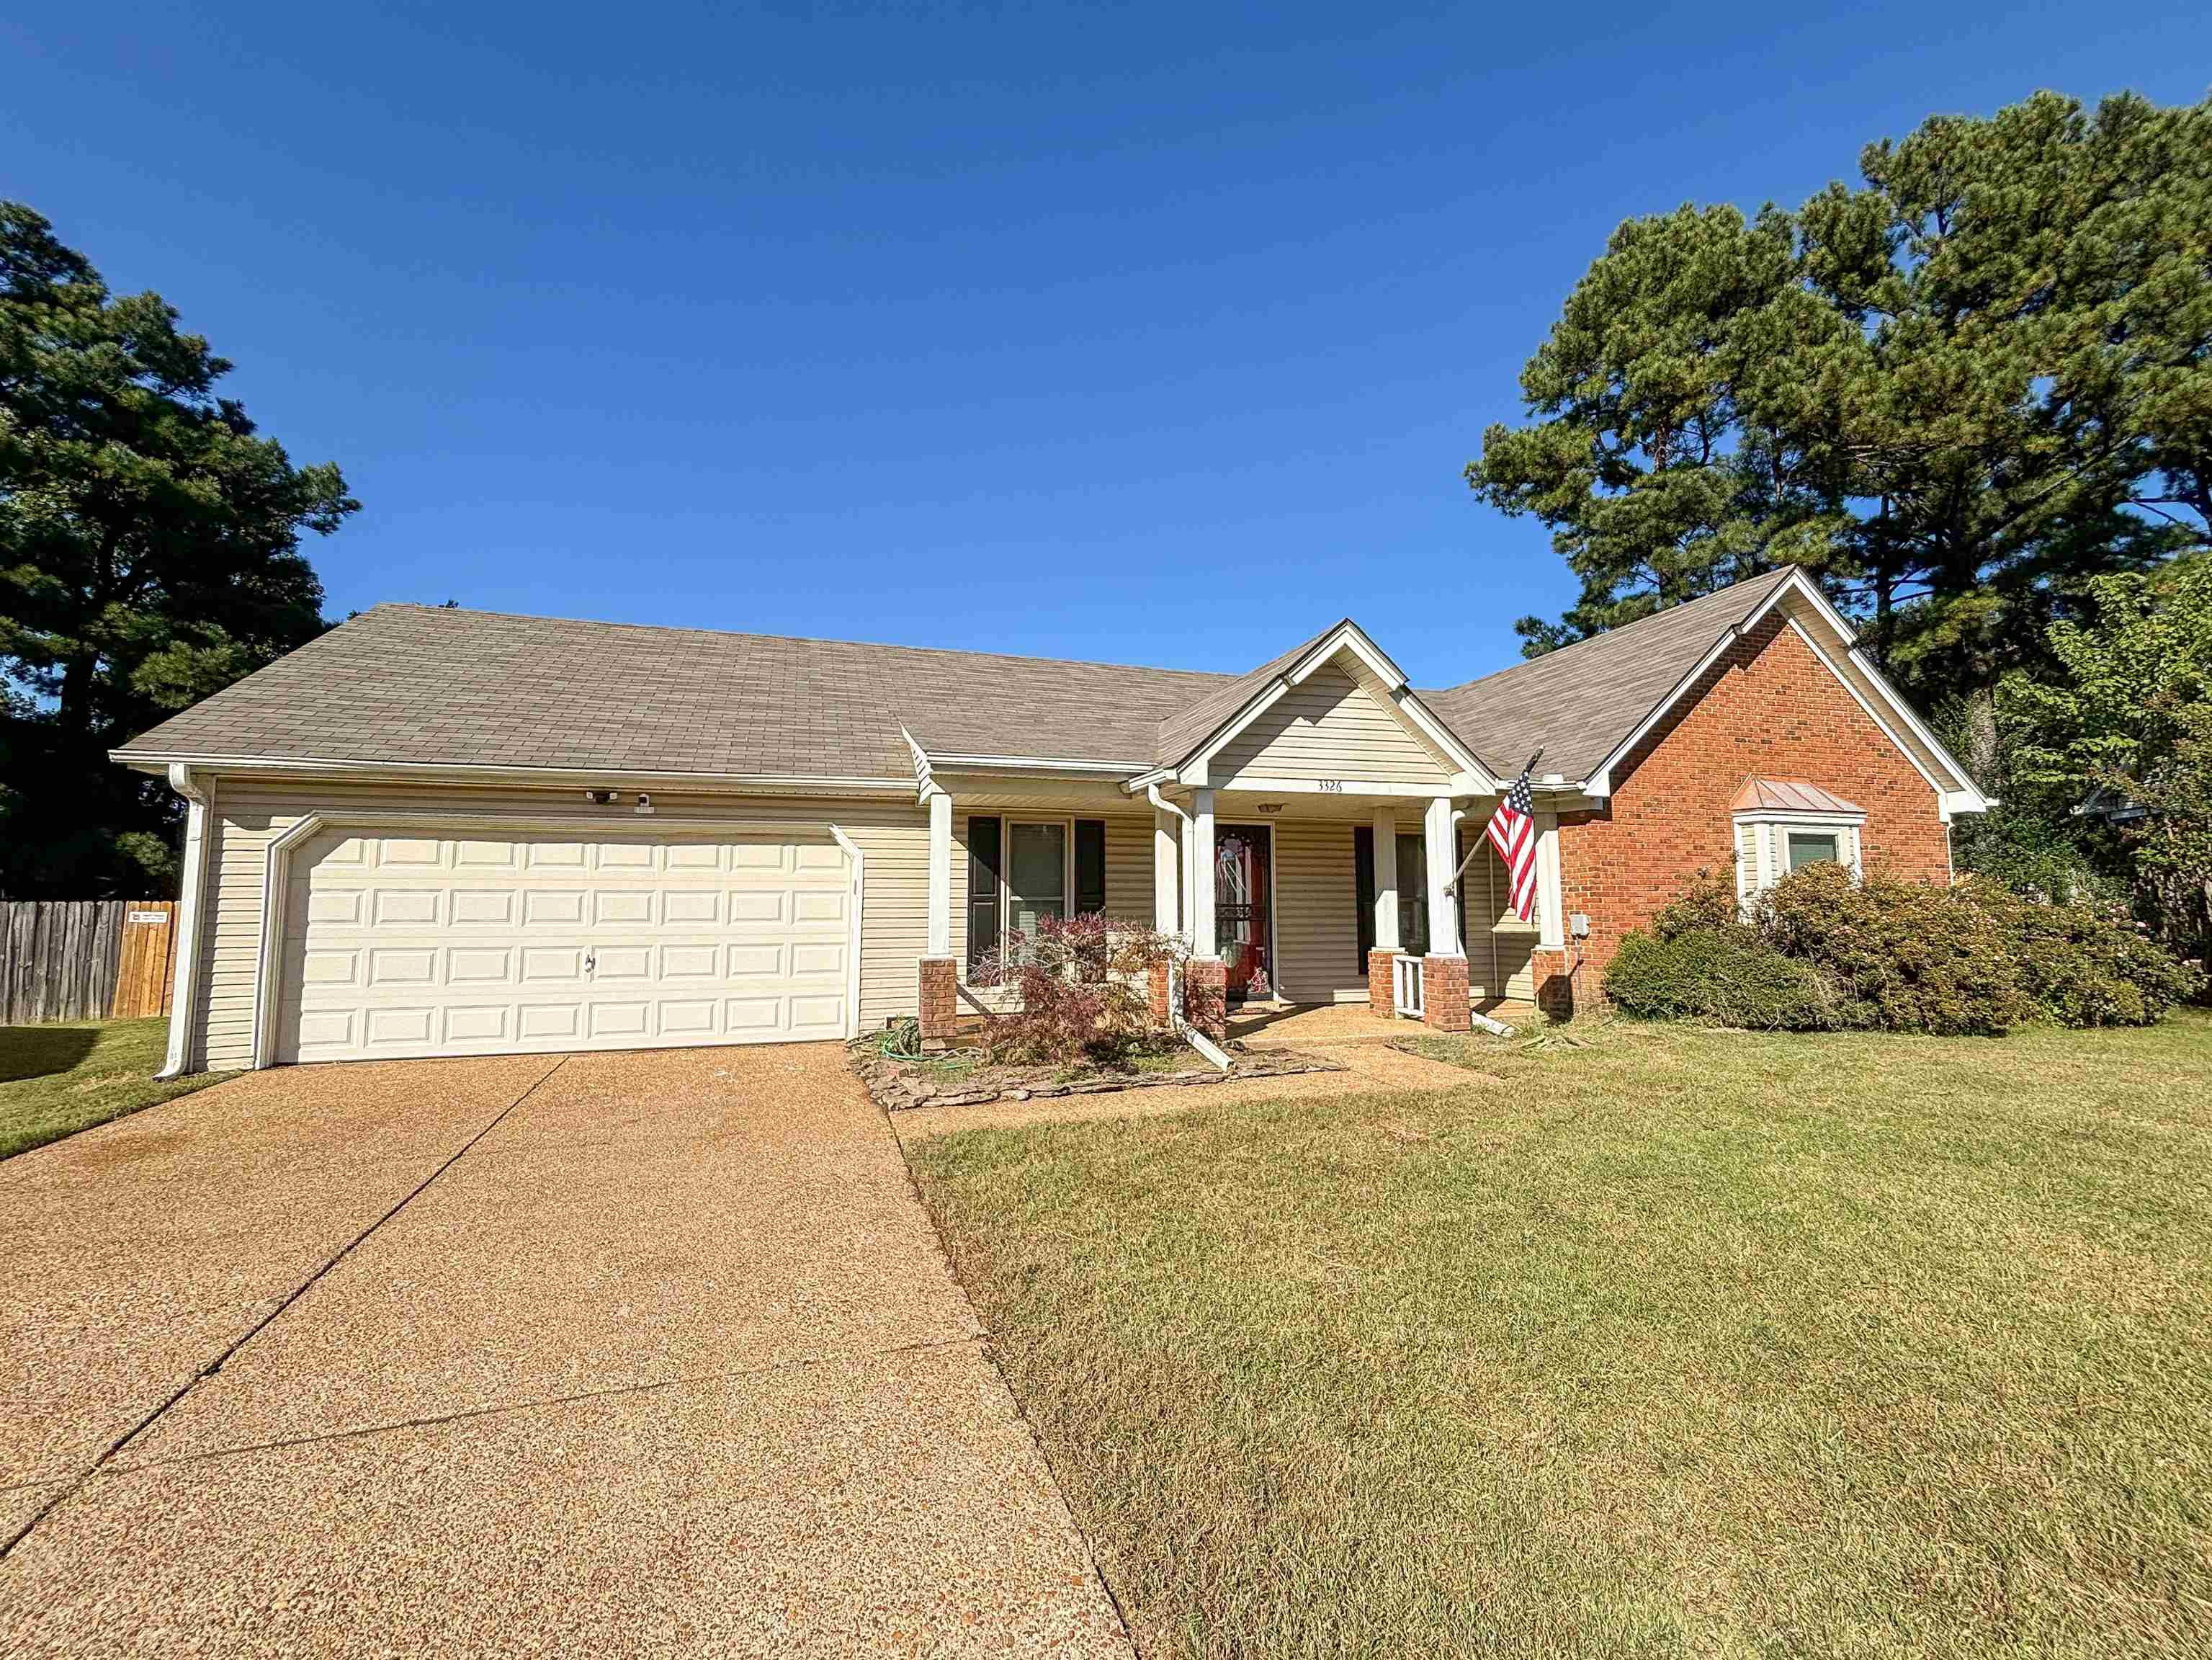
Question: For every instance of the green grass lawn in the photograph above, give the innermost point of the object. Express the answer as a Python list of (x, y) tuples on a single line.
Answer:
[(1681, 1343), (58, 1080)]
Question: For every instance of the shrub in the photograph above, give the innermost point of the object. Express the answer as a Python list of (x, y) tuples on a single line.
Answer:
[(1903, 955), (1085, 990), (1822, 949), (2082, 965), (1726, 974)]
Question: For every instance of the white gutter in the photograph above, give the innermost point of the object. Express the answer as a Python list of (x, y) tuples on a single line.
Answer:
[(439, 771), (192, 899)]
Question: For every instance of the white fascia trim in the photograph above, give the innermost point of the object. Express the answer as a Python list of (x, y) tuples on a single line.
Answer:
[(1949, 799), (1194, 770), (1348, 635), (1600, 782), (1796, 816), (1472, 778), (1404, 703), (191, 900), (1032, 763), (1247, 785), (432, 772), (1966, 798), (921, 784), (1146, 781)]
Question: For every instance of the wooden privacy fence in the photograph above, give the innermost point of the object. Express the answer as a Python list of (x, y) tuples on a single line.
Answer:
[(90, 959)]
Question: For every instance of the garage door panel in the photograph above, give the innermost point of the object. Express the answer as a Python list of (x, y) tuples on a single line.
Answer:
[(487, 908), (409, 965), (688, 907), (552, 908), (398, 908), (616, 907), (489, 1022), (479, 965), (409, 944)]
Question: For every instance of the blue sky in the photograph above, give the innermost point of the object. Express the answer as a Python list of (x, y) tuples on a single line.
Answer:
[(1156, 334)]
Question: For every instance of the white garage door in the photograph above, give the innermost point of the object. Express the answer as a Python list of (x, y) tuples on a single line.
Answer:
[(402, 944)]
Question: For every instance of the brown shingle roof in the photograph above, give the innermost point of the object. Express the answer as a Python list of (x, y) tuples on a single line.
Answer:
[(1578, 703), (417, 684), (425, 685)]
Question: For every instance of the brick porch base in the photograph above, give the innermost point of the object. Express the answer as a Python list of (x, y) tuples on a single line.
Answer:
[(1382, 995), (1444, 994)]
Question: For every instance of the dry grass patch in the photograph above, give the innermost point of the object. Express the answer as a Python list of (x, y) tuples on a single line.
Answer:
[(58, 1080), (1678, 1343)]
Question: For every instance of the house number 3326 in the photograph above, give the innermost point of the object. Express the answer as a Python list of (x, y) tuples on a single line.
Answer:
[(1329, 786)]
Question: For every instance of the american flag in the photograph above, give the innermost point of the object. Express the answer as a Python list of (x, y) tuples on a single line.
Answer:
[(1513, 833)]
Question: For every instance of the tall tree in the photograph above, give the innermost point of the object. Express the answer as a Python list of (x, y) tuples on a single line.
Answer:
[(1956, 392), (149, 555)]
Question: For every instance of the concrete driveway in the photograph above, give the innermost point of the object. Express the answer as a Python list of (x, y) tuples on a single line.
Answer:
[(618, 1354)]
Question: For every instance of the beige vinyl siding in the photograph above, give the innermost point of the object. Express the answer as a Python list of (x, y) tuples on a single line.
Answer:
[(1328, 726), (245, 814), (1499, 958), (1128, 866), (1317, 913)]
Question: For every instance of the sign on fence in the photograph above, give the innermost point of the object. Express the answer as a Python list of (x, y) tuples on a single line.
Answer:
[(85, 959)]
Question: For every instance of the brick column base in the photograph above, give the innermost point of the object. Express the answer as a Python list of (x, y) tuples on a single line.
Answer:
[(1444, 994), (940, 998), (1381, 993), (1206, 996), (1555, 988), (1160, 978)]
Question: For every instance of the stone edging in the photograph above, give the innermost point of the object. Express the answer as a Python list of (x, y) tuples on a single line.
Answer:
[(894, 1087)]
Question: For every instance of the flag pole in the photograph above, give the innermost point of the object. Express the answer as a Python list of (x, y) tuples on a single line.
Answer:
[(1452, 886)]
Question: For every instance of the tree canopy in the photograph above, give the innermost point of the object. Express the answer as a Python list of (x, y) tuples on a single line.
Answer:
[(149, 555), (1958, 391)]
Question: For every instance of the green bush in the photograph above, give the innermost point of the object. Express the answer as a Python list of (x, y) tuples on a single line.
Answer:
[(1724, 973), (2083, 966), (1823, 950), (1902, 956)]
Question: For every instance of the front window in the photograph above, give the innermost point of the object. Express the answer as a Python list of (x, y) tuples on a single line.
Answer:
[(1769, 846), (1036, 875), (1814, 847)]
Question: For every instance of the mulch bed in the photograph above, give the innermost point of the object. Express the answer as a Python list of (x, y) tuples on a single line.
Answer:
[(897, 1084)]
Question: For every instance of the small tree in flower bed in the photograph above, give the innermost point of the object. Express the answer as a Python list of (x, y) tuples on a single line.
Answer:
[(1085, 985)]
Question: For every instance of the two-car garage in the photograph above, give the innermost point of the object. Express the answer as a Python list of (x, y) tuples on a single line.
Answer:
[(399, 939)]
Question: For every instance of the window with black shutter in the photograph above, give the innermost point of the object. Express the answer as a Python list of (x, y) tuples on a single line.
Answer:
[(1090, 865), (984, 837), (1363, 859)]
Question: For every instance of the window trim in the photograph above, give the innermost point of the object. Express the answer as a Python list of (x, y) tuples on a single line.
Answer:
[(1770, 845), (1007, 821)]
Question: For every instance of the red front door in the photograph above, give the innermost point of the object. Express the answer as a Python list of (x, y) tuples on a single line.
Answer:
[(1243, 931)]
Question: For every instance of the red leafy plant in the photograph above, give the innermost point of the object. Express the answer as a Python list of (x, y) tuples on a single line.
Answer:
[(1086, 988)]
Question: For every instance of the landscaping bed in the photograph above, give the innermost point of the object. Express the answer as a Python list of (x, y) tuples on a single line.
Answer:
[(965, 1077)]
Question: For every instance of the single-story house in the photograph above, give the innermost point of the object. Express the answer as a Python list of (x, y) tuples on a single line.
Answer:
[(436, 832)]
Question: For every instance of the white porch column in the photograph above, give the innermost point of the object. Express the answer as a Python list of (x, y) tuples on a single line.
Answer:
[(1202, 941), (1550, 911), (1167, 895), (1386, 880), (941, 874), (1440, 842)]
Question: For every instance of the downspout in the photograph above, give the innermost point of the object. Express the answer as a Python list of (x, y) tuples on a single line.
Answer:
[(1214, 1053), (192, 896)]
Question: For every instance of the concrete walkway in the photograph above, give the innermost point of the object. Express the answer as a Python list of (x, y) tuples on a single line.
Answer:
[(610, 1355)]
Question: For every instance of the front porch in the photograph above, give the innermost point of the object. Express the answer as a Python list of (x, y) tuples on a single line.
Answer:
[(1281, 894)]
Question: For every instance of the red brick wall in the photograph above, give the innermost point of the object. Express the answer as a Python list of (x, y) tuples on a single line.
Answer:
[(1770, 708)]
